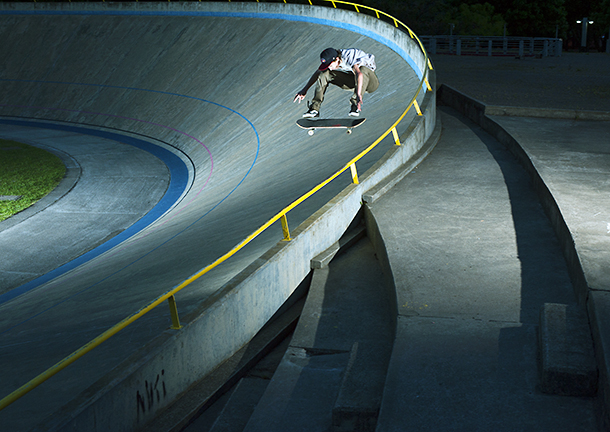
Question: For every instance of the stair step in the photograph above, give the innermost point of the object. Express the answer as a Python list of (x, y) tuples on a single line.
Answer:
[(301, 394), (567, 359), (332, 376), (240, 406)]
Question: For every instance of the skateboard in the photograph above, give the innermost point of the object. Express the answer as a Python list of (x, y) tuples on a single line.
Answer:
[(313, 124)]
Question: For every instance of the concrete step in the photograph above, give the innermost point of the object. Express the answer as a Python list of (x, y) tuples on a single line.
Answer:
[(240, 406), (333, 374), (198, 408), (567, 359)]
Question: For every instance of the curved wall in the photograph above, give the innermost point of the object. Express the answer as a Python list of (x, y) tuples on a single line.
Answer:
[(182, 73)]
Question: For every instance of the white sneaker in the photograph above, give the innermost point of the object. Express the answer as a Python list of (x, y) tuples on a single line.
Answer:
[(311, 113), (353, 112)]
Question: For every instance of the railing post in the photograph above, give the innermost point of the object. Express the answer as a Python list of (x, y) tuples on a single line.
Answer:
[(285, 229), (417, 107), (428, 86), (521, 48), (396, 137), (352, 168), (173, 310), (545, 48)]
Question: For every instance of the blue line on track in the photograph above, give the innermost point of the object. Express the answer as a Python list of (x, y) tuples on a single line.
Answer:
[(178, 182), (287, 17)]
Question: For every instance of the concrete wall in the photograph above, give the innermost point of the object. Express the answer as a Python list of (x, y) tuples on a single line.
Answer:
[(592, 298), (168, 365)]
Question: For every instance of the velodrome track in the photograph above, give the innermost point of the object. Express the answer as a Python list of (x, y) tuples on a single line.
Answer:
[(215, 93)]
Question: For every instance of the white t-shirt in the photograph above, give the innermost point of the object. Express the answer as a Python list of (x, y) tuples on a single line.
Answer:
[(354, 56)]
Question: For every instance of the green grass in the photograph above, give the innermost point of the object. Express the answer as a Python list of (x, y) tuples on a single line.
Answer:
[(27, 171)]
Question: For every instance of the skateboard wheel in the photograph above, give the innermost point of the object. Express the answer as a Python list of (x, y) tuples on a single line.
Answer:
[(349, 131), (310, 132)]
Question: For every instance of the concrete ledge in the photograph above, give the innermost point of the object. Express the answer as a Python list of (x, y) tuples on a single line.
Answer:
[(475, 111), (547, 113), (597, 302), (207, 391), (377, 192), (567, 362), (598, 307), (350, 238)]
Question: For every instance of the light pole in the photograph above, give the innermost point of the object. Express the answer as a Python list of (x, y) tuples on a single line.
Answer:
[(583, 40)]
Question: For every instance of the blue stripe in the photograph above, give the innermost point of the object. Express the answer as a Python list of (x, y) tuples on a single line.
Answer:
[(178, 182), (338, 24)]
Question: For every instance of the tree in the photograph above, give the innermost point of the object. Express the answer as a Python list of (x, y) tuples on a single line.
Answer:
[(536, 18), (477, 19)]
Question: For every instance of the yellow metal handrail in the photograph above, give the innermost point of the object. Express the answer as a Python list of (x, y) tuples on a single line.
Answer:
[(169, 296)]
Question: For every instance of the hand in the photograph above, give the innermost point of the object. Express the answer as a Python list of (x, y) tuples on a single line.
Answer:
[(299, 97), (359, 103)]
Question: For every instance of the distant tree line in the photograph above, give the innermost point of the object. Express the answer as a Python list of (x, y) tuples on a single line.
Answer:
[(525, 18)]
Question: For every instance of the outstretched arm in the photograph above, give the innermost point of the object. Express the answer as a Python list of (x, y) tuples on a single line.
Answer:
[(301, 94)]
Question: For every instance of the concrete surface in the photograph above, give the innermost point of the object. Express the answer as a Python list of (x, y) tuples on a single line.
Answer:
[(148, 75), (473, 257), (333, 373), (109, 187), (567, 359), (577, 81), (556, 162)]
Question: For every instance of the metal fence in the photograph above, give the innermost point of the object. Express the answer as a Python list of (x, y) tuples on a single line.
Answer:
[(493, 46)]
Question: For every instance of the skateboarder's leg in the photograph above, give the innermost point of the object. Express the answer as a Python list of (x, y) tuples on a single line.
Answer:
[(345, 80), (370, 83), (324, 79)]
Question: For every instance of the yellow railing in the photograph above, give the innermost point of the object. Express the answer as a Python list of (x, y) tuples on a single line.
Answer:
[(169, 296)]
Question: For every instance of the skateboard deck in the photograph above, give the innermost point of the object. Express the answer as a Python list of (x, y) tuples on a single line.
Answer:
[(313, 124)]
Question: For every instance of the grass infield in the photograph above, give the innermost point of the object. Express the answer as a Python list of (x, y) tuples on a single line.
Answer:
[(26, 172)]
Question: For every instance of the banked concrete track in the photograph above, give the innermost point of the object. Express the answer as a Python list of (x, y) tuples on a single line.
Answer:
[(212, 84)]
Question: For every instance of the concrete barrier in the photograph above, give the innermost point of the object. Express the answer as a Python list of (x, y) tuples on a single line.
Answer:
[(151, 379), (595, 300)]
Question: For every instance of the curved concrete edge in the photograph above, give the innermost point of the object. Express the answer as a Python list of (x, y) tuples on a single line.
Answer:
[(369, 26), (181, 171), (71, 177), (141, 387), (547, 113), (596, 302), (73, 170)]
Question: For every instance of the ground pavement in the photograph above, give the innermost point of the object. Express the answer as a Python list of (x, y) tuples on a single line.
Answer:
[(474, 257)]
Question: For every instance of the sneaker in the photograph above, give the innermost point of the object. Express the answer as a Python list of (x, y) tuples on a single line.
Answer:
[(353, 112), (311, 113)]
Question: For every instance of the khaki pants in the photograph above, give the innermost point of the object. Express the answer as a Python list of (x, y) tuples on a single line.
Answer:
[(344, 80)]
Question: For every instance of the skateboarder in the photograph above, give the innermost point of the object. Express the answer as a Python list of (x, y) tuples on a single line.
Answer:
[(350, 69)]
